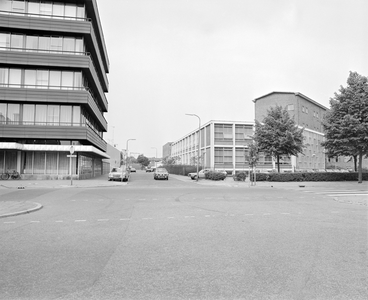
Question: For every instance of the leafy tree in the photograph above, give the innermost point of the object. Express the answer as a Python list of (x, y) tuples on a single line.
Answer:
[(171, 160), (346, 124), (143, 161), (278, 134), (253, 155)]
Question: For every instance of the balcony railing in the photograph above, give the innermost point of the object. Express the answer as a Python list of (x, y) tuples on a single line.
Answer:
[(5, 12)]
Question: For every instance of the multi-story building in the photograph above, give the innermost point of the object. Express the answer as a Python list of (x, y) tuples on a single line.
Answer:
[(223, 145), (53, 80), (307, 113), (166, 150)]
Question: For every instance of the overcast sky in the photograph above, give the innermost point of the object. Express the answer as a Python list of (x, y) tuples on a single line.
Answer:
[(213, 57)]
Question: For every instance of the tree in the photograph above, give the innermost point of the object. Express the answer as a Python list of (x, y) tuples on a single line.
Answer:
[(346, 124), (278, 134), (143, 161), (169, 160)]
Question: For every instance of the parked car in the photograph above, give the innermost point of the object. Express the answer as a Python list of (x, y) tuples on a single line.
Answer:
[(161, 173), (149, 170), (132, 169), (201, 174), (119, 174)]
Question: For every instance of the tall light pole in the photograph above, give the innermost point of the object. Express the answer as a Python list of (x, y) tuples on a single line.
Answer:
[(156, 154), (126, 163), (199, 141)]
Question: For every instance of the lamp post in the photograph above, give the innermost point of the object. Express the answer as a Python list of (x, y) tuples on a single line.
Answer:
[(156, 154), (199, 141), (126, 163)]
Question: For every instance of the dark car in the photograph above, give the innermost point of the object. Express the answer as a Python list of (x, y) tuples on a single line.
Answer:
[(161, 173)]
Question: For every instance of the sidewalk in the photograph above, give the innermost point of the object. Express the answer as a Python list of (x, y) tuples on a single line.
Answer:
[(13, 208)]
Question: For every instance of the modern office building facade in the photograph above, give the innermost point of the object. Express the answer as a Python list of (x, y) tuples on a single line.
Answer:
[(223, 146), (53, 80), (166, 150)]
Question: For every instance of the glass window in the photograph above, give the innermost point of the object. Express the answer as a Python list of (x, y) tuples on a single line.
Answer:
[(4, 41), (53, 115), (76, 116), (44, 43), (80, 12), (56, 44), (5, 5), (79, 45), (55, 79), (290, 107), (28, 114), (58, 10), (67, 80), (39, 162), (13, 113), (16, 41), (70, 11), (30, 78), (4, 80), (77, 80), (15, 76), (18, 6), (41, 114), (34, 8), (45, 8), (69, 45), (32, 42), (3, 113), (65, 115), (42, 79)]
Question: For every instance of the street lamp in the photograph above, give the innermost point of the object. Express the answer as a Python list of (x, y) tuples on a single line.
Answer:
[(156, 154), (199, 141), (126, 163)]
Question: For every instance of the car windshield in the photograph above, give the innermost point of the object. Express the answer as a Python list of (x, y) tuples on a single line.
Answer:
[(161, 170), (116, 170)]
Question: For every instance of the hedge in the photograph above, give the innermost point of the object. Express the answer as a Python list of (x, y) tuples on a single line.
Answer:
[(213, 175), (318, 176), (181, 169)]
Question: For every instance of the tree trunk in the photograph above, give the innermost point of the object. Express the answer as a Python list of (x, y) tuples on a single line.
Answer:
[(360, 175), (278, 163), (355, 163)]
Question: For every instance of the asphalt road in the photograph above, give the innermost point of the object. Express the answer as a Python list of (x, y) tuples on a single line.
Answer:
[(178, 240)]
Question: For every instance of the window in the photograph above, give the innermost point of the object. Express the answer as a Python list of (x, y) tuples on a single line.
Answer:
[(16, 41), (57, 10), (79, 45), (69, 45), (4, 77), (28, 114), (15, 77), (44, 43), (53, 117), (65, 115), (30, 78), (3, 107), (223, 155), (70, 11), (5, 5), (56, 44), (80, 11), (4, 41), (31, 42), (303, 109), (41, 114), (34, 7), (67, 80), (45, 8), (42, 79), (18, 6), (76, 116), (13, 113), (306, 110), (290, 107), (55, 79)]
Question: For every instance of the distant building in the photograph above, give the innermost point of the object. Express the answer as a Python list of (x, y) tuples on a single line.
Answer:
[(53, 80), (166, 150)]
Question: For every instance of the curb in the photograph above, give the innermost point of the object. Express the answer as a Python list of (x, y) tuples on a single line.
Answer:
[(21, 212)]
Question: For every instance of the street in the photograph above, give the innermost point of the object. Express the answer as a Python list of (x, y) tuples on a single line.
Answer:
[(158, 239)]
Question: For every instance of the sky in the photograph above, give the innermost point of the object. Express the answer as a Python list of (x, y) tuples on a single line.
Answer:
[(211, 58)]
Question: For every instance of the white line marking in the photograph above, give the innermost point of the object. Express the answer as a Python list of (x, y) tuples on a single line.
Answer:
[(249, 215), (80, 220), (34, 221), (285, 213), (146, 218), (124, 219), (207, 216), (102, 220), (9, 222), (59, 221)]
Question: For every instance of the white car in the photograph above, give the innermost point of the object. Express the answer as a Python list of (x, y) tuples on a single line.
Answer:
[(119, 174), (201, 174)]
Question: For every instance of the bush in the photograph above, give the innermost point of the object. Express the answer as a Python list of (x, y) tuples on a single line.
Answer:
[(309, 176), (213, 175), (240, 176)]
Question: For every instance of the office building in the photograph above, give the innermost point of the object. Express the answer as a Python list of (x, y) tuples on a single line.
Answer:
[(53, 80)]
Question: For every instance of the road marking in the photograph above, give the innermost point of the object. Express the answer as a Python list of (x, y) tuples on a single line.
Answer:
[(59, 221), (124, 219), (102, 220), (285, 213), (170, 217), (207, 216), (80, 220), (147, 218), (34, 221), (9, 222)]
